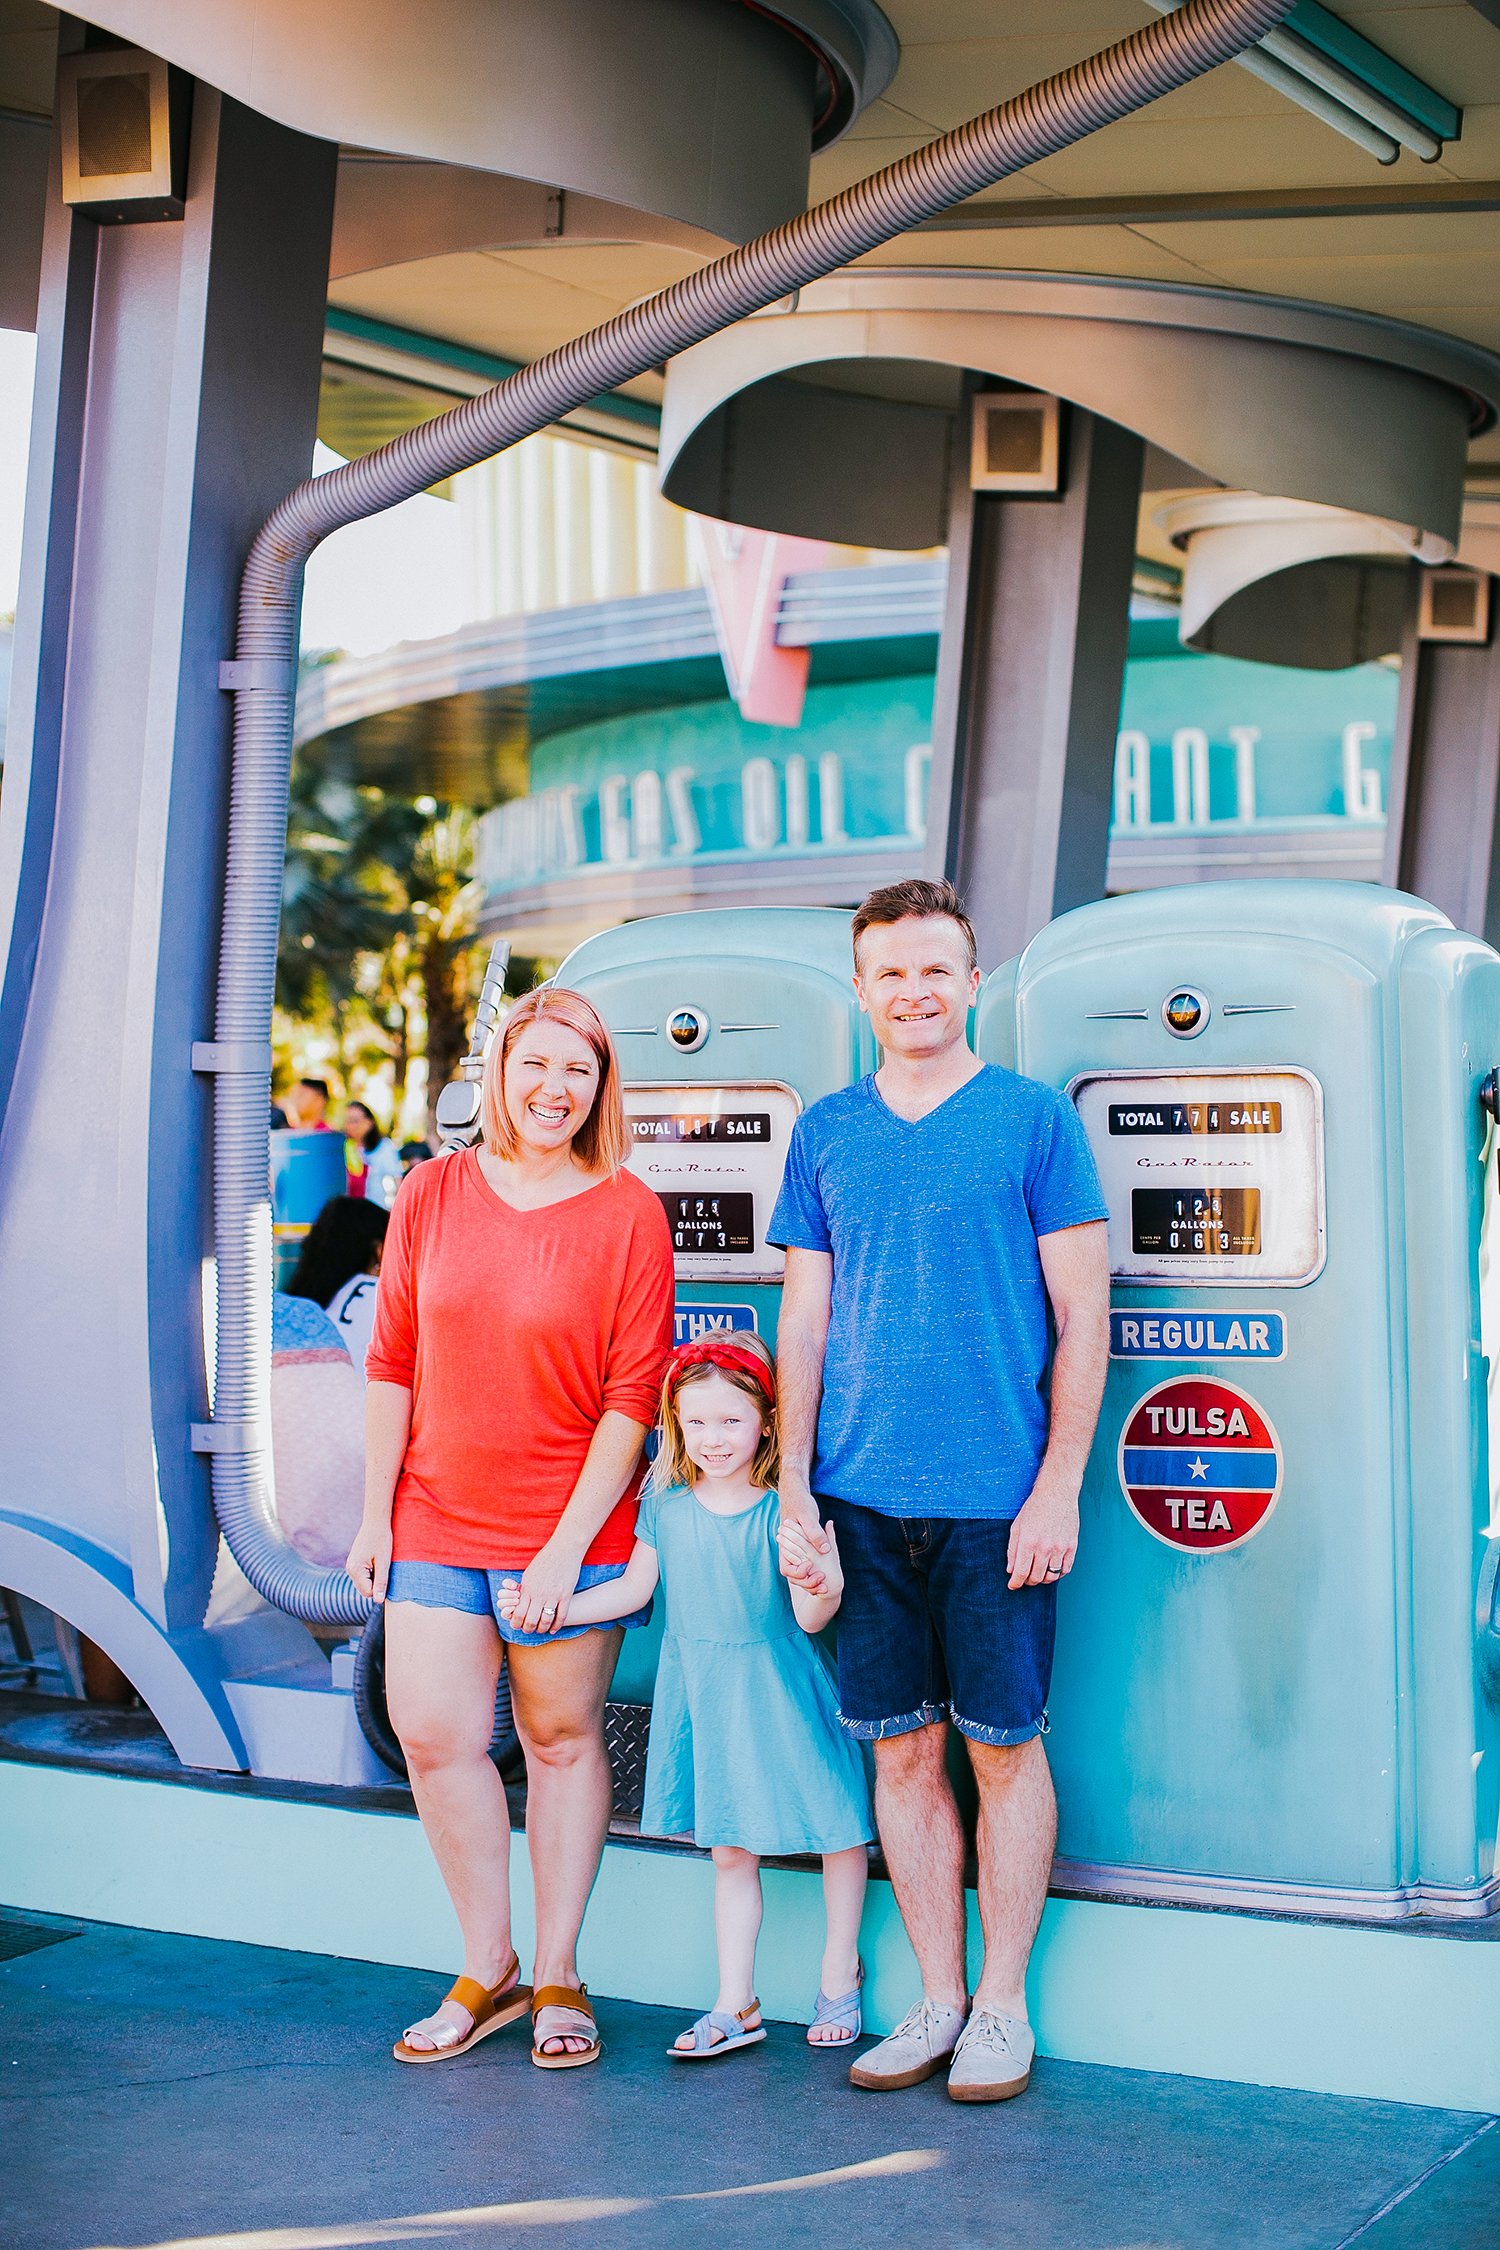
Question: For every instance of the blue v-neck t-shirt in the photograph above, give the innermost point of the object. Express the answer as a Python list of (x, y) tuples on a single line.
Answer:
[(935, 1374)]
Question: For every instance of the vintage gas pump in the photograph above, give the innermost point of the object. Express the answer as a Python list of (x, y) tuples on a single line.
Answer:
[(727, 1024), (1276, 1679)]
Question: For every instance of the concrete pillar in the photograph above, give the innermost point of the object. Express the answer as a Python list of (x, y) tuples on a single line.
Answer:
[(1443, 826), (176, 402), (1030, 672)]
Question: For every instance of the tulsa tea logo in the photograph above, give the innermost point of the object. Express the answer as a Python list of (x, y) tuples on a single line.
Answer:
[(1200, 1465)]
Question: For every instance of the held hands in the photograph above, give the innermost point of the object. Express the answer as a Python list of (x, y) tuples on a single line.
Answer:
[(1043, 1539), (369, 1559), (803, 1564), (799, 1512), (548, 1583)]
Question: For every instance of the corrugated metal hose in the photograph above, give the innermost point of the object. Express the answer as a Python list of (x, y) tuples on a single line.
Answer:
[(1169, 52)]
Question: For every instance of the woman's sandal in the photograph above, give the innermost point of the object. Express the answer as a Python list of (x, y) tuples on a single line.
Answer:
[(843, 2013), (719, 2033), (562, 1999), (490, 2008)]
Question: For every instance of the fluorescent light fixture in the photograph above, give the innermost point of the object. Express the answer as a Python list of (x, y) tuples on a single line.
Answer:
[(1352, 91), (1313, 99), (1344, 79)]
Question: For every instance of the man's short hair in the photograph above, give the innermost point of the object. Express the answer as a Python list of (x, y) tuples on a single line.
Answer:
[(914, 900), (316, 1086)]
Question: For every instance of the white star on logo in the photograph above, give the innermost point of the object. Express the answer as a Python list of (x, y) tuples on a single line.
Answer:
[(1199, 1468)]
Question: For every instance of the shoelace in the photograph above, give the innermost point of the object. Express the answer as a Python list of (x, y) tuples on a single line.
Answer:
[(991, 2033), (926, 2017)]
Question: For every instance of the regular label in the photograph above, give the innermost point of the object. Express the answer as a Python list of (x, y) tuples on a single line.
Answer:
[(1193, 1335), (1200, 1465)]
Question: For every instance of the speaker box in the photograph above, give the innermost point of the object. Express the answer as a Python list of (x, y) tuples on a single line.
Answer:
[(124, 119), (1014, 443)]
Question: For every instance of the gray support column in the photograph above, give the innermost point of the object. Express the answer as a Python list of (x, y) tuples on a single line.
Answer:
[(1030, 673), (1443, 826), (176, 403)]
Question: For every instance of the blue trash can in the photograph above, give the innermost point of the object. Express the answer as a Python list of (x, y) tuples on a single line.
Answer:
[(306, 1169)]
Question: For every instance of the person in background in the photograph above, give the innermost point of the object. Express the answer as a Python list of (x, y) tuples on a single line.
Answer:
[(337, 1268), (373, 1163), (305, 1107), (317, 1430), (413, 1153)]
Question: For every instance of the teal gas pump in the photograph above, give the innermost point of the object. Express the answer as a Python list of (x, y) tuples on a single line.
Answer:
[(728, 1024), (1277, 1679)]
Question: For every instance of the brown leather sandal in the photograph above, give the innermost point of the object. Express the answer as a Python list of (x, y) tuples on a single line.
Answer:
[(576, 2003), (491, 2008)]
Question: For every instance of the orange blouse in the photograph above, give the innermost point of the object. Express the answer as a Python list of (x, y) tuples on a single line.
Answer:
[(515, 1331)]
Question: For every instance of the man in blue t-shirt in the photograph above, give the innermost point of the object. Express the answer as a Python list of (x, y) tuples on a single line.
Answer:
[(933, 1216)]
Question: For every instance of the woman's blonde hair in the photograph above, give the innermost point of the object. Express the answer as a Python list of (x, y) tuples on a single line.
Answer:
[(672, 1465), (601, 1143)]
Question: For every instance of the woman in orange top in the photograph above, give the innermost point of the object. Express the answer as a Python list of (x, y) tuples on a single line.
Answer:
[(523, 1322)]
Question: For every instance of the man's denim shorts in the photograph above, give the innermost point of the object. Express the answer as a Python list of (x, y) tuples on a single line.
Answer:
[(477, 1594), (929, 1629)]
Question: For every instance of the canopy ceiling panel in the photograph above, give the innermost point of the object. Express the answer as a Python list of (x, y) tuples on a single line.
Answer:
[(702, 110), (1261, 394)]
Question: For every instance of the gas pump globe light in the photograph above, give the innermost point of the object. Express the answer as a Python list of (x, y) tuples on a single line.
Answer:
[(687, 1028), (1185, 1013)]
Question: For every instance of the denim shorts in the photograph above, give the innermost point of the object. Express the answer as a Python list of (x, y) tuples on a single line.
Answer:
[(477, 1592), (929, 1629)]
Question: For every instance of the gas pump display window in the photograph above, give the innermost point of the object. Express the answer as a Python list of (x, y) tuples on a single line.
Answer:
[(704, 1223), (1206, 1222), (1210, 1175), (713, 1156)]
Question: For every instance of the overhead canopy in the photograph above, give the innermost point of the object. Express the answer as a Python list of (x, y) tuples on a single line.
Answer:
[(821, 418), (702, 110), (1284, 582)]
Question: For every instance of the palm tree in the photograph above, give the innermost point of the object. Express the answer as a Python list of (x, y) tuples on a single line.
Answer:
[(341, 894), (444, 911), (378, 921)]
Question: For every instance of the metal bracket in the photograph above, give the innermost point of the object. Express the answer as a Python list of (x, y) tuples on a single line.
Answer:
[(228, 1437), (243, 1058), (237, 673)]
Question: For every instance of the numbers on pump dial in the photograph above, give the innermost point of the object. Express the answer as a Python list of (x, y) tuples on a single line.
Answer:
[(1196, 1222), (710, 1222)]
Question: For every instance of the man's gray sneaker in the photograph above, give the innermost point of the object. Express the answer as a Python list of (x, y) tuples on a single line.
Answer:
[(918, 2048), (992, 2060)]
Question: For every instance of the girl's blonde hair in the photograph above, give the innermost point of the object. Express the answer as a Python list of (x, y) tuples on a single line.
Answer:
[(673, 1465), (601, 1143)]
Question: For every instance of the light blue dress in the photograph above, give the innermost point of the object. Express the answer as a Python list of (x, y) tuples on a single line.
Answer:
[(745, 1744)]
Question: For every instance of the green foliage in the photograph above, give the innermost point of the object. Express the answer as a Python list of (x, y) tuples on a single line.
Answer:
[(378, 960)]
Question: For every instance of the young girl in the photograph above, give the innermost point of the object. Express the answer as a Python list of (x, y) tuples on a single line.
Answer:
[(746, 1751)]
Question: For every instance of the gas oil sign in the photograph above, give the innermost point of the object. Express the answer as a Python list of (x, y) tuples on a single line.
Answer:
[(1200, 1465)]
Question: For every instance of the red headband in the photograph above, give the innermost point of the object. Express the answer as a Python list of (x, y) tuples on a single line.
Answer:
[(723, 1352)]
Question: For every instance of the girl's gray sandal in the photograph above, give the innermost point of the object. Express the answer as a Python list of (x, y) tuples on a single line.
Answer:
[(844, 2013), (732, 2032)]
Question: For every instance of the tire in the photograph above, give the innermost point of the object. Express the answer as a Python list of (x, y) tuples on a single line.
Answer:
[(375, 1719)]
